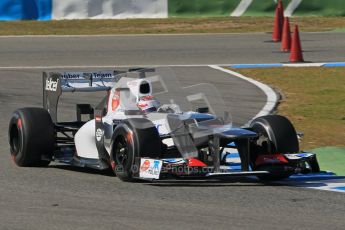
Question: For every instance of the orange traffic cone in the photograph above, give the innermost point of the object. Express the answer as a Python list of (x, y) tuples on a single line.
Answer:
[(280, 4), (286, 37), (296, 49), (281, 14), (276, 35)]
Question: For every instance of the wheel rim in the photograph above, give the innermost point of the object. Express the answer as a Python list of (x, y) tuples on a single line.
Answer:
[(121, 151), (263, 145), (263, 141), (15, 140)]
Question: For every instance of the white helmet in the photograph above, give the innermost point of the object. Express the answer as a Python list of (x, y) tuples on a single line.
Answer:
[(148, 104)]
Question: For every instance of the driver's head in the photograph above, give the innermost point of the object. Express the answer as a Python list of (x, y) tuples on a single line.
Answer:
[(148, 104)]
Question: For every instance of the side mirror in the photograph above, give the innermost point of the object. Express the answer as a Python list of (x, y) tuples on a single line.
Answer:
[(202, 110)]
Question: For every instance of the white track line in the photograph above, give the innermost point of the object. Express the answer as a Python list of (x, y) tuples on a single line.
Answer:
[(101, 66), (328, 186), (241, 8), (272, 98), (304, 65), (126, 35), (146, 35), (130, 65), (56, 67)]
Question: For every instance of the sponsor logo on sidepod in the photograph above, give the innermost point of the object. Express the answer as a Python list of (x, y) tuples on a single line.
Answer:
[(99, 134), (51, 85)]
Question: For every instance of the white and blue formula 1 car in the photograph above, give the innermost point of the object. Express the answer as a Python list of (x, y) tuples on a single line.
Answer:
[(139, 137)]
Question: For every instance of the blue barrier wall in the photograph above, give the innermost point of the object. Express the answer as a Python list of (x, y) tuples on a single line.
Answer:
[(25, 9)]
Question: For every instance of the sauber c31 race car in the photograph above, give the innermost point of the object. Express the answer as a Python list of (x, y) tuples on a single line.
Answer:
[(139, 137)]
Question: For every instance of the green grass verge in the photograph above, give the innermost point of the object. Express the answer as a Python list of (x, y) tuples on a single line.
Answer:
[(170, 25), (313, 99), (339, 30), (197, 8), (331, 159)]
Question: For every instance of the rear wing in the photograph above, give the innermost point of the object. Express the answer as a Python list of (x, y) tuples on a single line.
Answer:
[(56, 83)]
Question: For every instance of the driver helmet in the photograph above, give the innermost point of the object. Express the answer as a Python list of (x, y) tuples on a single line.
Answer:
[(148, 104)]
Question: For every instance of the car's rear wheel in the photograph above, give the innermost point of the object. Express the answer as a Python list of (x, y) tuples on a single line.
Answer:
[(136, 137), (276, 135), (31, 137)]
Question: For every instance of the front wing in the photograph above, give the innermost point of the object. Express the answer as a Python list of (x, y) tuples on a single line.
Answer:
[(155, 169)]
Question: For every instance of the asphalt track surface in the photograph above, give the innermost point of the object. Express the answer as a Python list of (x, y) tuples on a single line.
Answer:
[(163, 49), (62, 197)]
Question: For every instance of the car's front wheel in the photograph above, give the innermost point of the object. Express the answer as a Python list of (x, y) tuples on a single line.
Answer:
[(133, 138), (276, 135)]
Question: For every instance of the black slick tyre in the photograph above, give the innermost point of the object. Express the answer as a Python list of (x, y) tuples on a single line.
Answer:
[(31, 137), (281, 134)]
